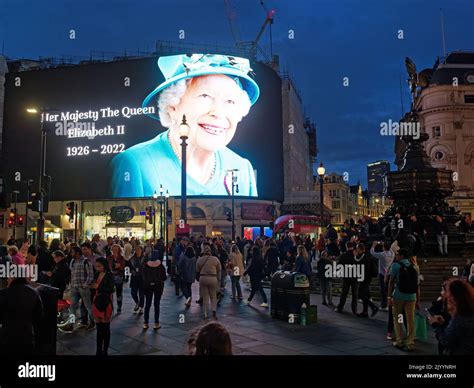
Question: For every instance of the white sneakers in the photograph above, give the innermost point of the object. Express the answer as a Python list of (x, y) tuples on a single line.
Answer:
[(247, 302)]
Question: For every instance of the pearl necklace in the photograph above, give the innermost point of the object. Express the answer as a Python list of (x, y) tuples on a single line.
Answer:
[(213, 172)]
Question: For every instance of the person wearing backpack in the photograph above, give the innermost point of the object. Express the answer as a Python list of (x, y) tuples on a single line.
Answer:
[(403, 296), (154, 276), (370, 270)]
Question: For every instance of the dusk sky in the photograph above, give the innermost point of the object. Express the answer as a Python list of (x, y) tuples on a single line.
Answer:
[(332, 40)]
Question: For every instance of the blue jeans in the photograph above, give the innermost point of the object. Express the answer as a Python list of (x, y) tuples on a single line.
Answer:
[(136, 287), (236, 290), (83, 293), (223, 278), (442, 243)]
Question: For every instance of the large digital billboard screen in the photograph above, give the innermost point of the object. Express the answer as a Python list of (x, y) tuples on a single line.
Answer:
[(114, 129)]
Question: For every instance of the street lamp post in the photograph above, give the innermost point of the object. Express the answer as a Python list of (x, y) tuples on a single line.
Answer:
[(41, 183), (184, 133), (167, 195), (29, 183), (161, 211), (235, 188), (16, 192), (155, 197), (321, 172)]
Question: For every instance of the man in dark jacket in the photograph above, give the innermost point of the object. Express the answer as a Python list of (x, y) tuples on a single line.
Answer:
[(417, 230), (271, 258), (370, 270), (331, 233), (44, 261), (21, 312), (154, 276), (347, 259), (60, 276)]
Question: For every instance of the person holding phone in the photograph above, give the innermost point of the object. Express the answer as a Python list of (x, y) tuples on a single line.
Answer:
[(457, 337)]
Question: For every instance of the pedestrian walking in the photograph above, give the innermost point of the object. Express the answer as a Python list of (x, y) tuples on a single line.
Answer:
[(187, 271), (208, 269), (136, 279), (255, 270), (154, 277), (236, 270), (117, 266)]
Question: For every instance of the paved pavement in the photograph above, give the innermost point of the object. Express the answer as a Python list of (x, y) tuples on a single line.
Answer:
[(252, 330)]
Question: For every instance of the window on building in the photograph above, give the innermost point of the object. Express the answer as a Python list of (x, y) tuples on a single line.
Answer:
[(195, 212), (220, 213), (336, 204), (469, 98), (436, 131), (438, 155)]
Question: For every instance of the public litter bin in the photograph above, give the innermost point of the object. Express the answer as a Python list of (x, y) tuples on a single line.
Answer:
[(288, 293), (45, 338)]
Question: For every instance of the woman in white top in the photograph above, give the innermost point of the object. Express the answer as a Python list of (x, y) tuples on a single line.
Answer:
[(236, 270)]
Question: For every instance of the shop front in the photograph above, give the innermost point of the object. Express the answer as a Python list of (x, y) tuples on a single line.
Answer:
[(141, 219)]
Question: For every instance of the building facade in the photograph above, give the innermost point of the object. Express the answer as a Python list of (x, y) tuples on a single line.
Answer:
[(376, 172), (445, 104)]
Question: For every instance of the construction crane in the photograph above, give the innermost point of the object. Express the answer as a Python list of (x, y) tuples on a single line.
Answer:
[(268, 21), (232, 16), (251, 46)]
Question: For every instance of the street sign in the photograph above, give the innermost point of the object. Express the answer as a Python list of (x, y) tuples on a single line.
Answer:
[(182, 232)]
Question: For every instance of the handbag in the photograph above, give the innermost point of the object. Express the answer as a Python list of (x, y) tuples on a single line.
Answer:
[(198, 274), (421, 327), (102, 301)]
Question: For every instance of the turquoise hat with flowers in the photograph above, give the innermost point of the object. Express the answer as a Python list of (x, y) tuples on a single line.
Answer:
[(178, 67)]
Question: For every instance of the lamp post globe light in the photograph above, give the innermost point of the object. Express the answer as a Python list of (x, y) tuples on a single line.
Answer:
[(155, 197), (183, 134), (235, 189), (321, 171), (41, 183)]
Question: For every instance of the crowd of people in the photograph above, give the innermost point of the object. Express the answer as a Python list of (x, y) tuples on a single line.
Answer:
[(92, 275)]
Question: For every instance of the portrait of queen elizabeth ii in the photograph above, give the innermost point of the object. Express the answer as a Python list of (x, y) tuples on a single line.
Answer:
[(214, 93)]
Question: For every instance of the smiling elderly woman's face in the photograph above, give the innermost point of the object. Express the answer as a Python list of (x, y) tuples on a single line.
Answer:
[(213, 105)]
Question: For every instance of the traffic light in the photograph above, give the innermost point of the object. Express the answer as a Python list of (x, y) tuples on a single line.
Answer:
[(11, 219), (2, 221), (229, 216), (20, 220), (70, 207), (34, 202), (149, 214)]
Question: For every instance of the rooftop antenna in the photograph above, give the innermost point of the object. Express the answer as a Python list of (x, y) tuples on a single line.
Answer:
[(443, 38)]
